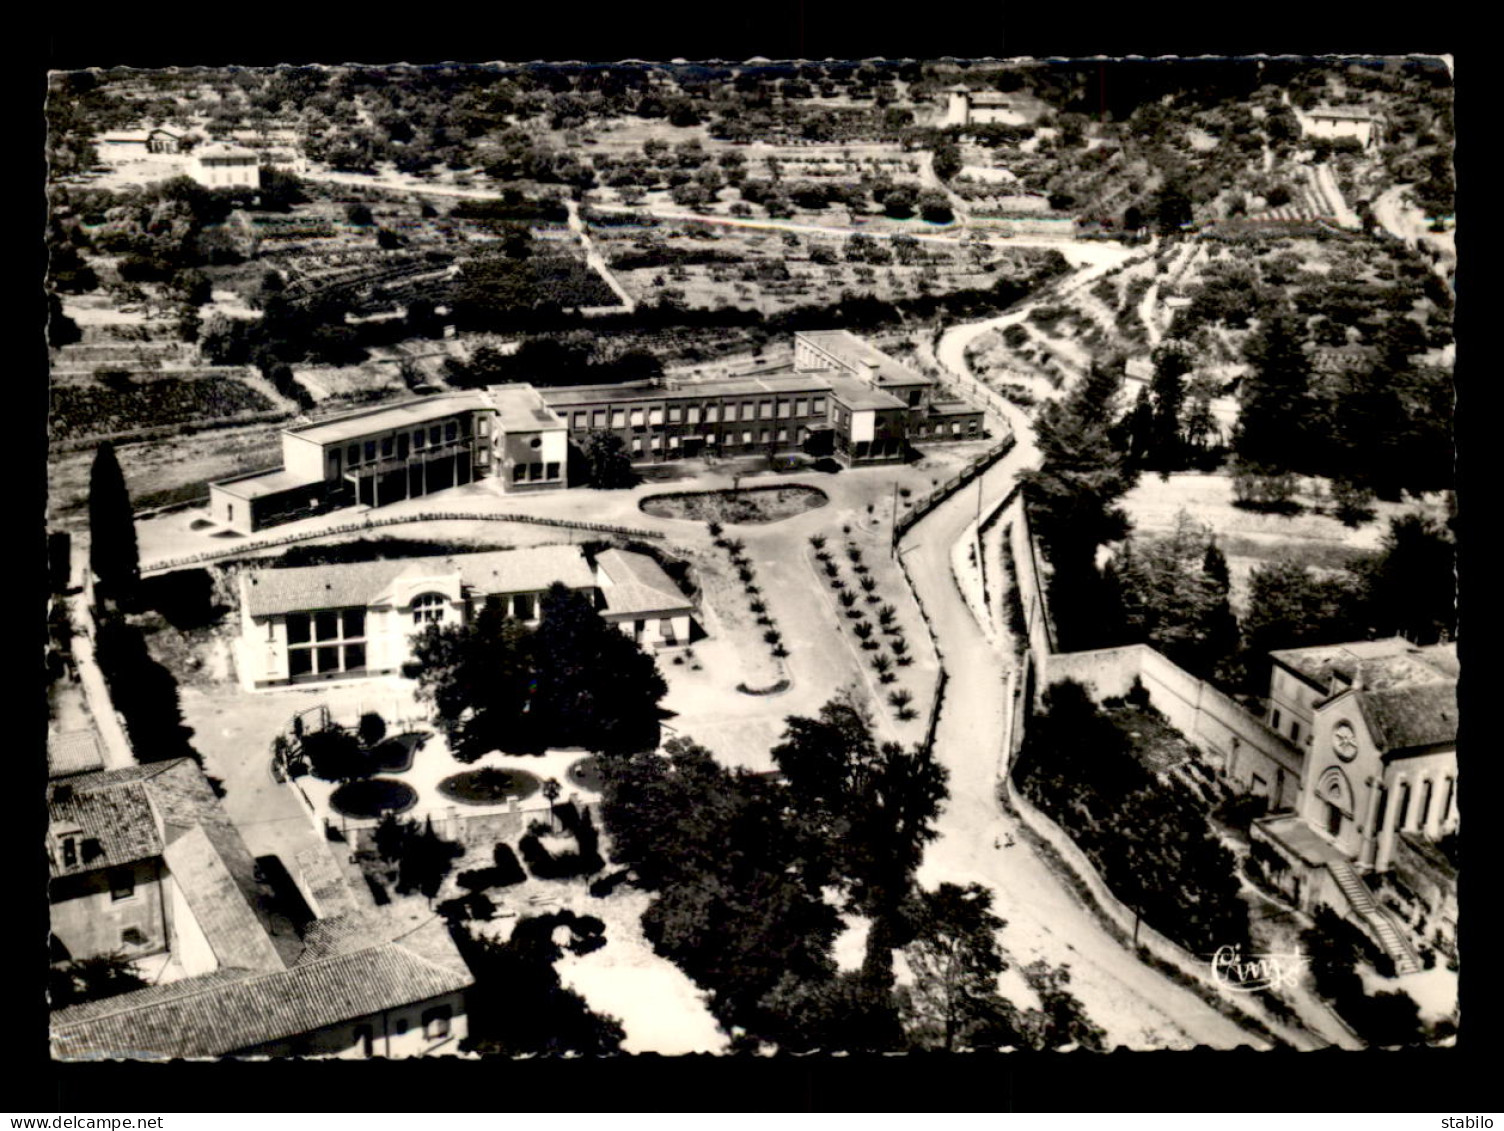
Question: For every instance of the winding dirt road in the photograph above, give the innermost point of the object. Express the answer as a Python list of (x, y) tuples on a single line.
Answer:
[(1136, 1005)]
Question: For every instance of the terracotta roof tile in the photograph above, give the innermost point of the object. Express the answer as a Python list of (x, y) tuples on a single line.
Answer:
[(639, 585), (351, 584), (216, 1015)]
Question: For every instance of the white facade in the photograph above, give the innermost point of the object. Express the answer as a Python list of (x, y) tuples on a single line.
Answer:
[(1330, 125), (225, 166), (428, 1028), (862, 425), (1362, 800)]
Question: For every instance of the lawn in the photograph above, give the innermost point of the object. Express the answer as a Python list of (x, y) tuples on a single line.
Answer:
[(489, 786)]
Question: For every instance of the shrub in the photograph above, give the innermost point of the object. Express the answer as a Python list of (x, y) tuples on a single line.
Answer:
[(508, 868), (609, 883), (1241, 810)]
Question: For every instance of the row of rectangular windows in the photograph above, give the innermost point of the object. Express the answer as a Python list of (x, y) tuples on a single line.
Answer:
[(695, 414), (437, 434), (765, 436), (329, 625), (534, 472), (326, 658)]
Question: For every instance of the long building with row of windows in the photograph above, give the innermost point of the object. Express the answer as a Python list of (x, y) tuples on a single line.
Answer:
[(842, 398)]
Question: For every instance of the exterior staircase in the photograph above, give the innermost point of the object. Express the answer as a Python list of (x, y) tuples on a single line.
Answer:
[(1379, 924)]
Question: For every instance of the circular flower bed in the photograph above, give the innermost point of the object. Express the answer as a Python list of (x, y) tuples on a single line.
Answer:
[(489, 786), (371, 797), (585, 774)]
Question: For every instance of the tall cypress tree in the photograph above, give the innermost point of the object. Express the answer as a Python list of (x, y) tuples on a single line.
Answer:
[(1171, 364), (1275, 396), (113, 554)]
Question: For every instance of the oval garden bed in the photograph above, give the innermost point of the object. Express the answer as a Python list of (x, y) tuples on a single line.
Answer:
[(749, 505), (489, 786), (371, 797), (585, 774)]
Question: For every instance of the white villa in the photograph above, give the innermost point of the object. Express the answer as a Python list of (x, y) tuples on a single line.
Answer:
[(358, 619)]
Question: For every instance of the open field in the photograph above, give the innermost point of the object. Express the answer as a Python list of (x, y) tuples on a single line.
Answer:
[(1250, 539)]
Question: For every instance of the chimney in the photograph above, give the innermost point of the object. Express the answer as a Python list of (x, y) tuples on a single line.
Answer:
[(867, 372)]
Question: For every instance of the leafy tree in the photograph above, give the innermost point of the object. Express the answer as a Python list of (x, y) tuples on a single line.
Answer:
[(89, 979), (875, 804), (1411, 585), (551, 790), (955, 960), (359, 215), (1274, 396), (594, 686), (1150, 839), (1289, 606), (607, 464), (518, 1005), (1171, 365), (334, 754), (1173, 592), (372, 729), (391, 834), (61, 330), (737, 876), (935, 207), (947, 160), (1199, 424), (478, 677), (1140, 428), (848, 1013), (1172, 208), (113, 554), (1073, 496), (426, 859)]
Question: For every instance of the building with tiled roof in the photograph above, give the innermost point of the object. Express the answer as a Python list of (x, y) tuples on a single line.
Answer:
[(1376, 721), (145, 863), (642, 600), (387, 989), (357, 619), (967, 107), (73, 752), (220, 165), (1334, 123)]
